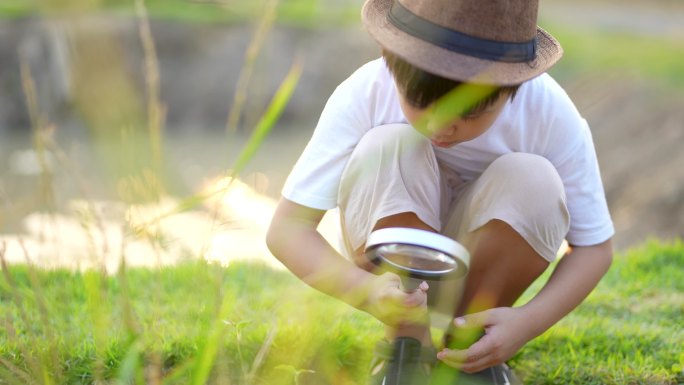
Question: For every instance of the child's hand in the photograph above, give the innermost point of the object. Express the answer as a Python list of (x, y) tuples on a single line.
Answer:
[(506, 331), (392, 306)]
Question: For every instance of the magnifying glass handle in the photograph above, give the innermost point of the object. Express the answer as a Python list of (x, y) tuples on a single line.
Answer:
[(409, 285)]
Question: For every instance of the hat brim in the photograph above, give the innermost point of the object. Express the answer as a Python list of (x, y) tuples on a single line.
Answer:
[(453, 65)]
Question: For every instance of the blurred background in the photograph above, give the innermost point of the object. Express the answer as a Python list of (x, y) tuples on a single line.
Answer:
[(128, 102)]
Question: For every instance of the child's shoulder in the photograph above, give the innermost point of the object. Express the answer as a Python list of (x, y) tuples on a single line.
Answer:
[(543, 85), (543, 93), (373, 74), (370, 84), (373, 68)]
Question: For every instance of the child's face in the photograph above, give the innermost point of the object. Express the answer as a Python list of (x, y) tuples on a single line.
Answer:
[(461, 129)]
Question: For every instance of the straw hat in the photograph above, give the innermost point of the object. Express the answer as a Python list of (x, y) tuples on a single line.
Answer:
[(483, 41)]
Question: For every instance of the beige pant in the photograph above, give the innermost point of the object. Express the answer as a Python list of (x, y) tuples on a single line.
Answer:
[(394, 170)]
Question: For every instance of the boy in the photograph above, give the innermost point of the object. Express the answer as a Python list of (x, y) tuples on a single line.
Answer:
[(456, 130)]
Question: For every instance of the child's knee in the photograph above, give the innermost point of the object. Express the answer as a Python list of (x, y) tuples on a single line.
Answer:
[(389, 155), (392, 170), (527, 193), (532, 182), (400, 139)]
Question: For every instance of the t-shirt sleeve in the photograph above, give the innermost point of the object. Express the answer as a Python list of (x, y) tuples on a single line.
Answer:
[(572, 152), (315, 178)]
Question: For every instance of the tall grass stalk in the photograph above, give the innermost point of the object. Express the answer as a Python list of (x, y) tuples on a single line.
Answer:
[(256, 139), (155, 109), (96, 294), (264, 26), (206, 356), (269, 118), (132, 366), (40, 131), (48, 359)]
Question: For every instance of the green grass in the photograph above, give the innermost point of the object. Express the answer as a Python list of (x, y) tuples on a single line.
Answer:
[(249, 324), (629, 330), (176, 314), (652, 58)]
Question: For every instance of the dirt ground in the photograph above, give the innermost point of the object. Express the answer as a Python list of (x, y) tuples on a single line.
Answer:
[(638, 131)]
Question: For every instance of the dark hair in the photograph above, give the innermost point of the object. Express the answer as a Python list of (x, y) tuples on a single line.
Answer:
[(421, 88)]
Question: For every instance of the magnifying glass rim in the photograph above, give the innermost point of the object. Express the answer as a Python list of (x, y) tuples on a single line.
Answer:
[(418, 237), (423, 238), (418, 272)]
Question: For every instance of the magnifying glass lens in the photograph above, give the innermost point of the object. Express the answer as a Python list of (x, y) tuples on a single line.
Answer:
[(417, 258)]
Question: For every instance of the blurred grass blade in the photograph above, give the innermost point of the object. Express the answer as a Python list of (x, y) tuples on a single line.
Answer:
[(177, 372), (11, 374), (261, 131), (261, 354), (156, 111), (132, 367), (96, 305), (240, 96), (456, 103), (270, 117), (207, 355), (130, 371)]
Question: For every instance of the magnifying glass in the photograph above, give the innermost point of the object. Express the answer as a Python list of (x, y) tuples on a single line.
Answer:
[(417, 255)]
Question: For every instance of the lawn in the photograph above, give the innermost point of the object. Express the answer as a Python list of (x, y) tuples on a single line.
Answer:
[(610, 53), (200, 323)]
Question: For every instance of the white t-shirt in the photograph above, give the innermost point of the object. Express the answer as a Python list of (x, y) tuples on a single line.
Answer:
[(541, 120)]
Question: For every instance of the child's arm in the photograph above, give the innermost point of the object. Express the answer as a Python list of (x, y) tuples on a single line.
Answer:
[(294, 240), (508, 329), (576, 275)]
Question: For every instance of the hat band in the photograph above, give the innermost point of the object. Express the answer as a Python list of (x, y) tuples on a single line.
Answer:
[(455, 41)]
